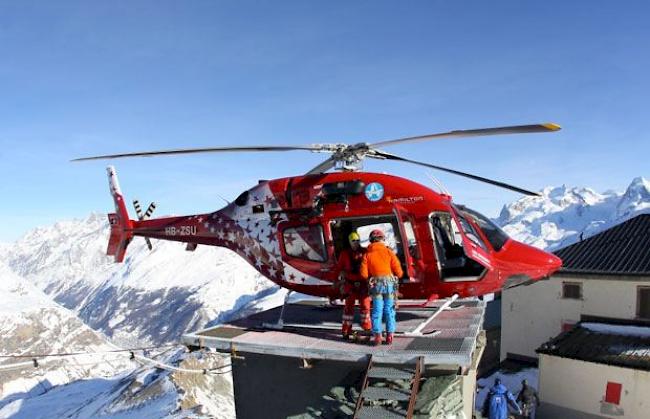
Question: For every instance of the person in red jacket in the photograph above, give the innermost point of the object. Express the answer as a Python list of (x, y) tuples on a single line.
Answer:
[(381, 266), (354, 286)]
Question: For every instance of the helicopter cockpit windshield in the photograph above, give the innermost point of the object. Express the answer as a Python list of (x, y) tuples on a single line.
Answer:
[(492, 232)]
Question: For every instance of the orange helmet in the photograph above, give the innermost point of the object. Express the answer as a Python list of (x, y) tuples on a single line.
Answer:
[(376, 235)]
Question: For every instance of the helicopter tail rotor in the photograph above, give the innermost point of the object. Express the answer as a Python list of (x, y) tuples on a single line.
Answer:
[(144, 216)]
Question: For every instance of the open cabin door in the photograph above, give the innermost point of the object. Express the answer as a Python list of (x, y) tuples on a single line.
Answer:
[(409, 246), (461, 254)]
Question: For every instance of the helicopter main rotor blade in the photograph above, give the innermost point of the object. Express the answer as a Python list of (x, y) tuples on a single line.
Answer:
[(517, 129), (389, 156), (199, 150), (323, 167)]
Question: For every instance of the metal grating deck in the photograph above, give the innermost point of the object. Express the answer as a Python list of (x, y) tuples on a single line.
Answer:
[(312, 331)]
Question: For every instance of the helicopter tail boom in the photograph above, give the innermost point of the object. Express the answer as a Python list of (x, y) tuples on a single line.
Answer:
[(121, 225)]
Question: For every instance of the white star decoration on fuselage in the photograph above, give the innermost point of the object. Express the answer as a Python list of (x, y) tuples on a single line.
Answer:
[(254, 237)]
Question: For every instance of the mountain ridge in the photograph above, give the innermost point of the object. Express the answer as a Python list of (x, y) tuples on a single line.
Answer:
[(561, 215)]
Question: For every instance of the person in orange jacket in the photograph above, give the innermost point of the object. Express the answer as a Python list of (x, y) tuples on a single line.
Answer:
[(381, 266), (354, 286)]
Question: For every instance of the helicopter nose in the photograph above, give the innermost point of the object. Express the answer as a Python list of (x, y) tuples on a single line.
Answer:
[(554, 263), (532, 259), (525, 264), (546, 263)]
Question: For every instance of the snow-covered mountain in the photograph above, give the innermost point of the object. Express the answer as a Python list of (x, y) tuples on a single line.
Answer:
[(562, 215), (31, 323), (153, 297), (142, 392), (96, 381)]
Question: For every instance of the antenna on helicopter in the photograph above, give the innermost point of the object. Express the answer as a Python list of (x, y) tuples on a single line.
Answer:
[(437, 183), (224, 199)]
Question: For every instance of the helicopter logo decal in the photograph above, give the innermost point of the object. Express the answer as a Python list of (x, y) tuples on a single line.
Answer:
[(374, 192)]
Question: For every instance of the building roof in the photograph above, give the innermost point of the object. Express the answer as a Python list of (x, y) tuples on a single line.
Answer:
[(620, 250), (623, 346)]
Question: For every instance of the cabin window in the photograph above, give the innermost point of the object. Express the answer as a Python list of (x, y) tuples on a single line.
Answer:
[(305, 242), (411, 241), (572, 290), (643, 302)]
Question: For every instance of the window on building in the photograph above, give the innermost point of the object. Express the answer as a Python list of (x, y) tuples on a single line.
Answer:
[(572, 290), (643, 302), (613, 392), (305, 242)]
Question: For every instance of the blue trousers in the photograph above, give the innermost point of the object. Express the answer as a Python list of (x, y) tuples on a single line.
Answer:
[(383, 305)]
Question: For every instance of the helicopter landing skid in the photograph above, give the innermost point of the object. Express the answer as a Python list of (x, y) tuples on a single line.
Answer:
[(279, 325), (419, 330)]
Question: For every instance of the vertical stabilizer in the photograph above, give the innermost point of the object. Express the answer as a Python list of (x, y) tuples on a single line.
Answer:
[(121, 225)]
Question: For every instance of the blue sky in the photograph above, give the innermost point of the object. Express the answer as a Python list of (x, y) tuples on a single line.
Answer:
[(86, 78)]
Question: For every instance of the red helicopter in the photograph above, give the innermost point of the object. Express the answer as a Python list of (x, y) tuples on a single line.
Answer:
[(292, 229)]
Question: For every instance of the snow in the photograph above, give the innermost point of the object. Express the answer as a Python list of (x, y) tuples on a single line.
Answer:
[(84, 399), (116, 320), (30, 322), (143, 392), (562, 215), (627, 351), (18, 295), (614, 329)]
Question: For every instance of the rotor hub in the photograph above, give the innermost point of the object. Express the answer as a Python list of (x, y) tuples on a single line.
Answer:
[(346, 157)]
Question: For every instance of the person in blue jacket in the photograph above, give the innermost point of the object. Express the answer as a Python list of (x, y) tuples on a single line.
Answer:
[(496, 403)]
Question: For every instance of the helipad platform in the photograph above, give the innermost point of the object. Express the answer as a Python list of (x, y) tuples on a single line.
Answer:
[(311, 330)]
